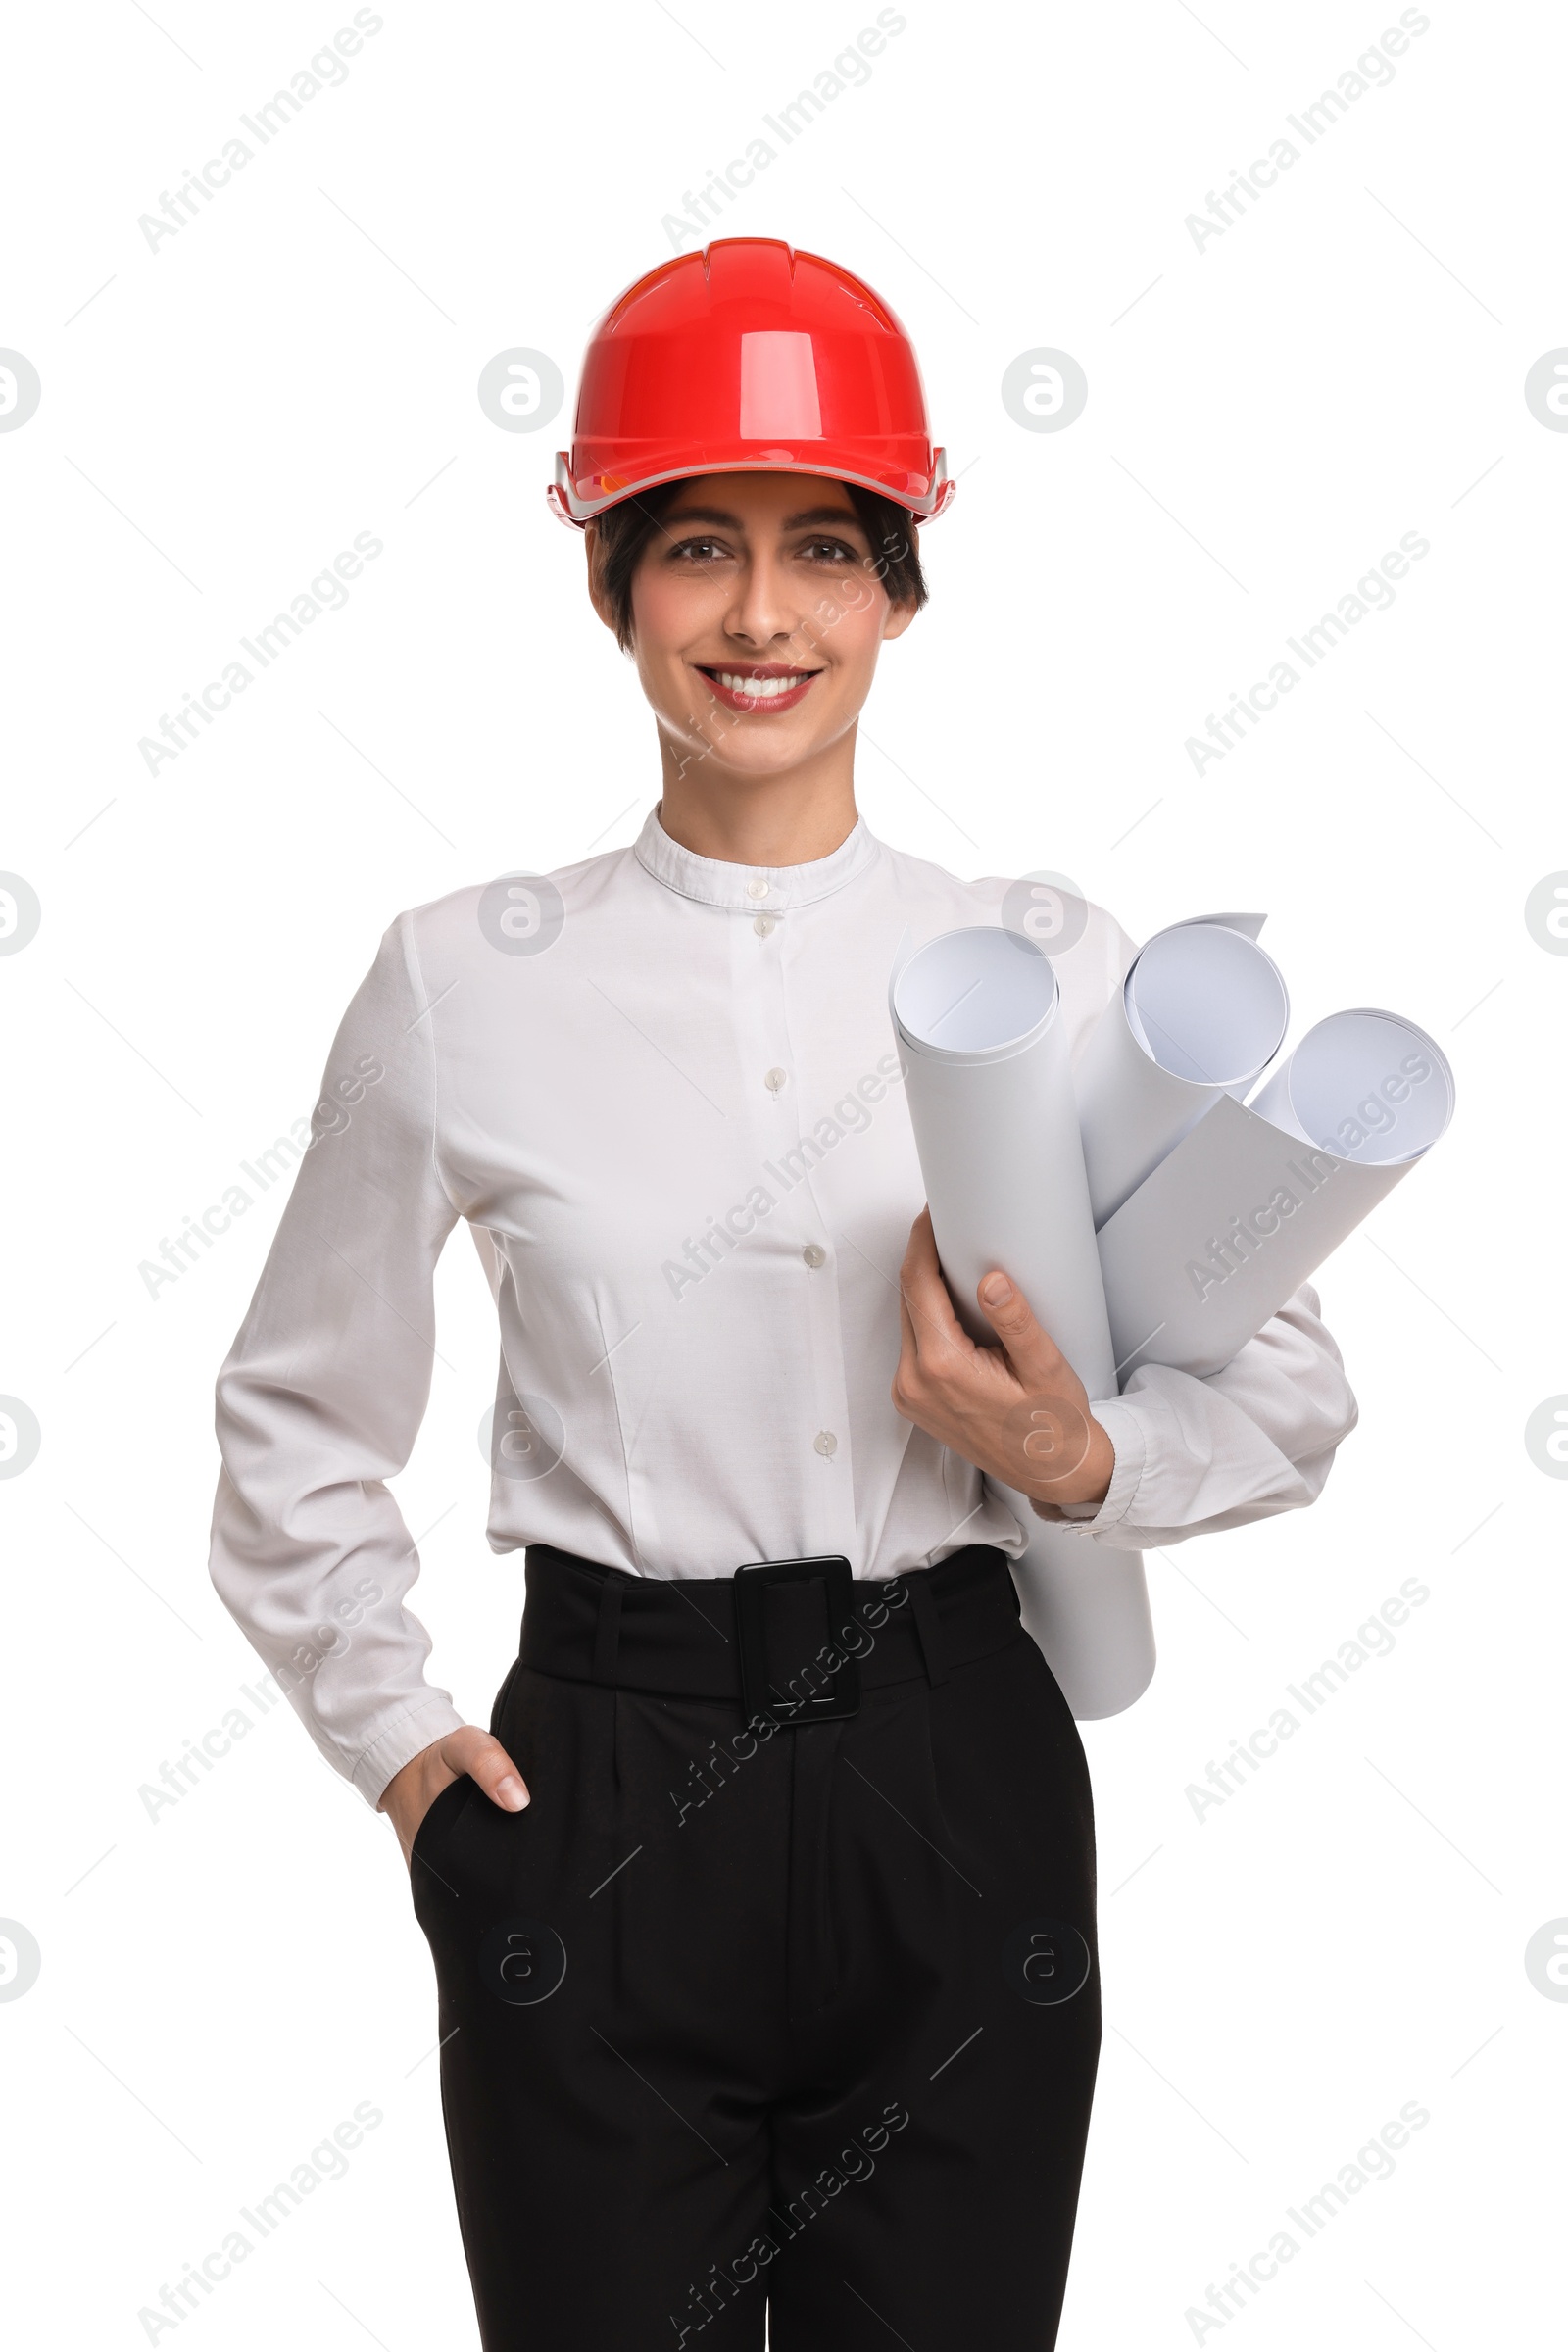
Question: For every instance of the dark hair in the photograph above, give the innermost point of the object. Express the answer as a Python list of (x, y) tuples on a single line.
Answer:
[(625, 530)]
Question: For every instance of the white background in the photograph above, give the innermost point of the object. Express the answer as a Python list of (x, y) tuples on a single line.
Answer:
[(1266, 416)]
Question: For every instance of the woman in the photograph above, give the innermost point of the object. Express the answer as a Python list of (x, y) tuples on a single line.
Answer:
[(764, 1914)]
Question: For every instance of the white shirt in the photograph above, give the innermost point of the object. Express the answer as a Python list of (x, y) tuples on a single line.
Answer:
[(677, 1129)]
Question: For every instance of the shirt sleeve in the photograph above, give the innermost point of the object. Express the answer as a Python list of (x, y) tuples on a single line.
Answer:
[(323, 1390), (1194, 1456)]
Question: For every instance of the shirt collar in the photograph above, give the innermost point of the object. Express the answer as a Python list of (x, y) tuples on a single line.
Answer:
[(751, 889)]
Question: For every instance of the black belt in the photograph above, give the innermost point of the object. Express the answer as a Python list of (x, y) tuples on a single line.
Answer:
[(794, 1640)]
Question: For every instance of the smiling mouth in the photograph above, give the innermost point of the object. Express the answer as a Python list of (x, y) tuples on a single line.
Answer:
[(757, 687)]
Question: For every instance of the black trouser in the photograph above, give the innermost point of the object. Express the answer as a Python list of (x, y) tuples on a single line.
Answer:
[(806, 2016)]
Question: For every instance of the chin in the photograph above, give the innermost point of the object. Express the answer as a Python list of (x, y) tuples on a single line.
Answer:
[(759, 763)]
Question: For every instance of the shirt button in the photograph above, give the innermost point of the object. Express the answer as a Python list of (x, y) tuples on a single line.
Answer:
[(758, 889), (764, 925), (775, 1079), (815, 1254), (825, 1442)]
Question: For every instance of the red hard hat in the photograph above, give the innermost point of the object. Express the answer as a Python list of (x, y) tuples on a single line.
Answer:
[(749, 357)]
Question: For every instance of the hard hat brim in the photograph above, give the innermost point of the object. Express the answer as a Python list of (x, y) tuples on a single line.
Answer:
[(569, 506)]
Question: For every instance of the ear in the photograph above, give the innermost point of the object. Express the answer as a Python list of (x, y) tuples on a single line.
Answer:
[(596, 594), (900, 615)]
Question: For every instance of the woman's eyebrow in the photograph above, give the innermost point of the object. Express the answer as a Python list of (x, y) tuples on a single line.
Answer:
[(814, 516), (715, 515)]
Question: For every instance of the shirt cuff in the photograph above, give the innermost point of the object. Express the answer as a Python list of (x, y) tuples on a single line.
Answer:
[(1121, 1424), (428, 1719)]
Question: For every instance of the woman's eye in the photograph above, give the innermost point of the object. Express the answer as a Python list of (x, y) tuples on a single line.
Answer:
[(832, 551), (697, 550)]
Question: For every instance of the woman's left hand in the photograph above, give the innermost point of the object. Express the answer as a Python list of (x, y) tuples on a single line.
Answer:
[(1018, 1410)]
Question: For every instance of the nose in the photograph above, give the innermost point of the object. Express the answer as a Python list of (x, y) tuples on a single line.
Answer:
[(767, 611)]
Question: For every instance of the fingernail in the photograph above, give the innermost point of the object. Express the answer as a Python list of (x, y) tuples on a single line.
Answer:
[(512, 1793), (995, 1290)]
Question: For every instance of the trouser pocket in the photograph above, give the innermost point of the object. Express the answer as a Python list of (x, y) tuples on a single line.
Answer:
[(425, 1855)]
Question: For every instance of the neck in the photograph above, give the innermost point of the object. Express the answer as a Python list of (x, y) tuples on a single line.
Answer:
[(788, 819)]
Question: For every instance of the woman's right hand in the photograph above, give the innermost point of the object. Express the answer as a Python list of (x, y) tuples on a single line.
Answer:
[(410, 1793)]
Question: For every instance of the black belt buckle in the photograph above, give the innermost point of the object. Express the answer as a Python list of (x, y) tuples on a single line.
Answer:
[(815, 1694)]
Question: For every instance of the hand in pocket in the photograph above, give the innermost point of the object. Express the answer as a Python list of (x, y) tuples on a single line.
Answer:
[(410, 1793)]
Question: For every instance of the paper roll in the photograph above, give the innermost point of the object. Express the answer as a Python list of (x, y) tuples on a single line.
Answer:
[(988, 1084), (1252, 1200), (1202, 1012), (990, 1090), (1088, 1608)]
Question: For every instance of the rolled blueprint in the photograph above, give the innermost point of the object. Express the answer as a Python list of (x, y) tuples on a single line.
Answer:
[(988, 1084), (1253, 1198), (1202, 1012), (1087, 1608), (991, 1096)]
